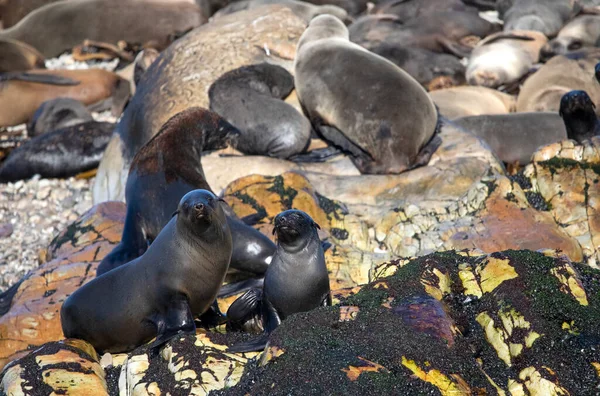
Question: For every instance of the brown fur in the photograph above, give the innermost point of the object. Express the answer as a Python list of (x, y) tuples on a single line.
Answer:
[(20, 99), (18, 56)]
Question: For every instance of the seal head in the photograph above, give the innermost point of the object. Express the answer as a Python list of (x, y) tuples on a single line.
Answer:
[(579, 116)]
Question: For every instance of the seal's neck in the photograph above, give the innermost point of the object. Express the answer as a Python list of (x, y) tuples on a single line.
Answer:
[(301, 243), (580, 125)]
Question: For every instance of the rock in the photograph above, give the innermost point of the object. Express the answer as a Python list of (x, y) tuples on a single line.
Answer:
[(6, 230), (182, 74), (514, 322), (30, 309), (563, 179)]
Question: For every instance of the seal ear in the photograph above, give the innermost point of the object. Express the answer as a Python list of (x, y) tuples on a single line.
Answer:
[(316, 225), (221, 199), (174, 213)]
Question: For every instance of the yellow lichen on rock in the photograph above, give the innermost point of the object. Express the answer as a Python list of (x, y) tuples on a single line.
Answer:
[(436, 289), (469, 281), (494, 273), (353, 372), (271, 352), (570, 282), (537, 385), (446, 386)]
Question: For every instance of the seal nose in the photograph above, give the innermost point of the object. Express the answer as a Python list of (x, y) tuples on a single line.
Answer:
[(199, 207)]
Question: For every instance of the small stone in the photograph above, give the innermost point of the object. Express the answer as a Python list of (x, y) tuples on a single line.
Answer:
[(6, 230)]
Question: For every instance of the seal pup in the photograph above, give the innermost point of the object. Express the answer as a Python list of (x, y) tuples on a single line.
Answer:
[(58, 27), (61, 153), (504, 58), (466, 101), (21, 94), (574, 71), (515, 137), (251, 99), (578, 112), (57, 114), (583, 31), (385, 119), (126, 307), (297, 280), (545, 16), (18, 56), (163, 171)]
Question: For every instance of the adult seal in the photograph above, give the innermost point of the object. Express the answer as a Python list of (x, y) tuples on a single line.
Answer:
[(515, 137), (126, 307), (467, 101), (163, 171), (296, 281), (251, 99), (58, 27), (18, 56), (545, 16), (581, 32), (384, 119), (578, 113)]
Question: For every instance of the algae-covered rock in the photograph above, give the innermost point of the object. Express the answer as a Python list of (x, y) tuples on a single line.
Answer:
[(510, 323)]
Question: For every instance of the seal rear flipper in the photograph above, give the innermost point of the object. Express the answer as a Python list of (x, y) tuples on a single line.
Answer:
[(455, 49), (327, 302), (176, 320), (246, 306), (427, 151), (237, 287), (317, 155), (257, 344), (337, 138), (50, 79)]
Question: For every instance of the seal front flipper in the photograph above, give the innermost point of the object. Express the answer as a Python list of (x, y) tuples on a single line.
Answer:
[(317, 155), (237, 287), (271, 321), (327, 302), (427, 151), (337, 138), (50, 79), (245, 312), (176, 320)]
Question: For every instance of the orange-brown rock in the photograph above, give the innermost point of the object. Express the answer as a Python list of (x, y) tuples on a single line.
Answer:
[(34, 315)]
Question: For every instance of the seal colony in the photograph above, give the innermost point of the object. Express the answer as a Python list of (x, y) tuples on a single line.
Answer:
[(371, 100)]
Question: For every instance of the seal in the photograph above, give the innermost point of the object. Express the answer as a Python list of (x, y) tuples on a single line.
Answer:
[(466, 101), (515, 137), (297, 280), (251, 99), (304, 10), (58, 27), (126, 307), (583, 31), (57, 114), (575, 71), (21, 94), (385, 119), (61, 153), (518, 50), (545, 16), (431, 69), (163, 171), (18, 56), (407, 10), (578, 112)]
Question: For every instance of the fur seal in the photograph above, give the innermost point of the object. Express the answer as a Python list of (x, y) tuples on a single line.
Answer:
[(431, 69), (370, 118), (438, 32), (57, 27), (504, 58), (545, 16), (305, 10), (251, 99), (543, 90), (515, 137), (60, 153), (21, 94), (18, 56), (407, 10), (126, 307), (297, 280), (578, 113), (167, 168), (57, 114), (466, 101), (583, 31)]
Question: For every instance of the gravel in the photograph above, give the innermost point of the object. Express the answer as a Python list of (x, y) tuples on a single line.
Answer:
[(33, 211)]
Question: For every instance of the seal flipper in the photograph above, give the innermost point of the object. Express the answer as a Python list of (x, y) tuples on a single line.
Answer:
[(271, 321), (427, 151), (317, 155), (247, 308), (176, 319), (212, 318), (50, 79), (237, 287), (327, 302), (337, 138)]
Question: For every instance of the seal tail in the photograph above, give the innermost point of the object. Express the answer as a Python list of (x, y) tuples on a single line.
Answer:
[(50, 79), (257, 344)]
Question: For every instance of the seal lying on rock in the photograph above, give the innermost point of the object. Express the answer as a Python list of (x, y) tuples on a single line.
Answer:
[(296, 281), (251, 99), (384, 118), (21, 94), (126, 307), (578, 113), (18, 56), (545, 16), (467, 101), (583, 31), (304, 10), (57, 114), (61, 153), (167, 168)]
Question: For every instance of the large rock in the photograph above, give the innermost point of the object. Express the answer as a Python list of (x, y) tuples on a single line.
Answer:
[(181, 76), (31, 308), (515, 322)]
